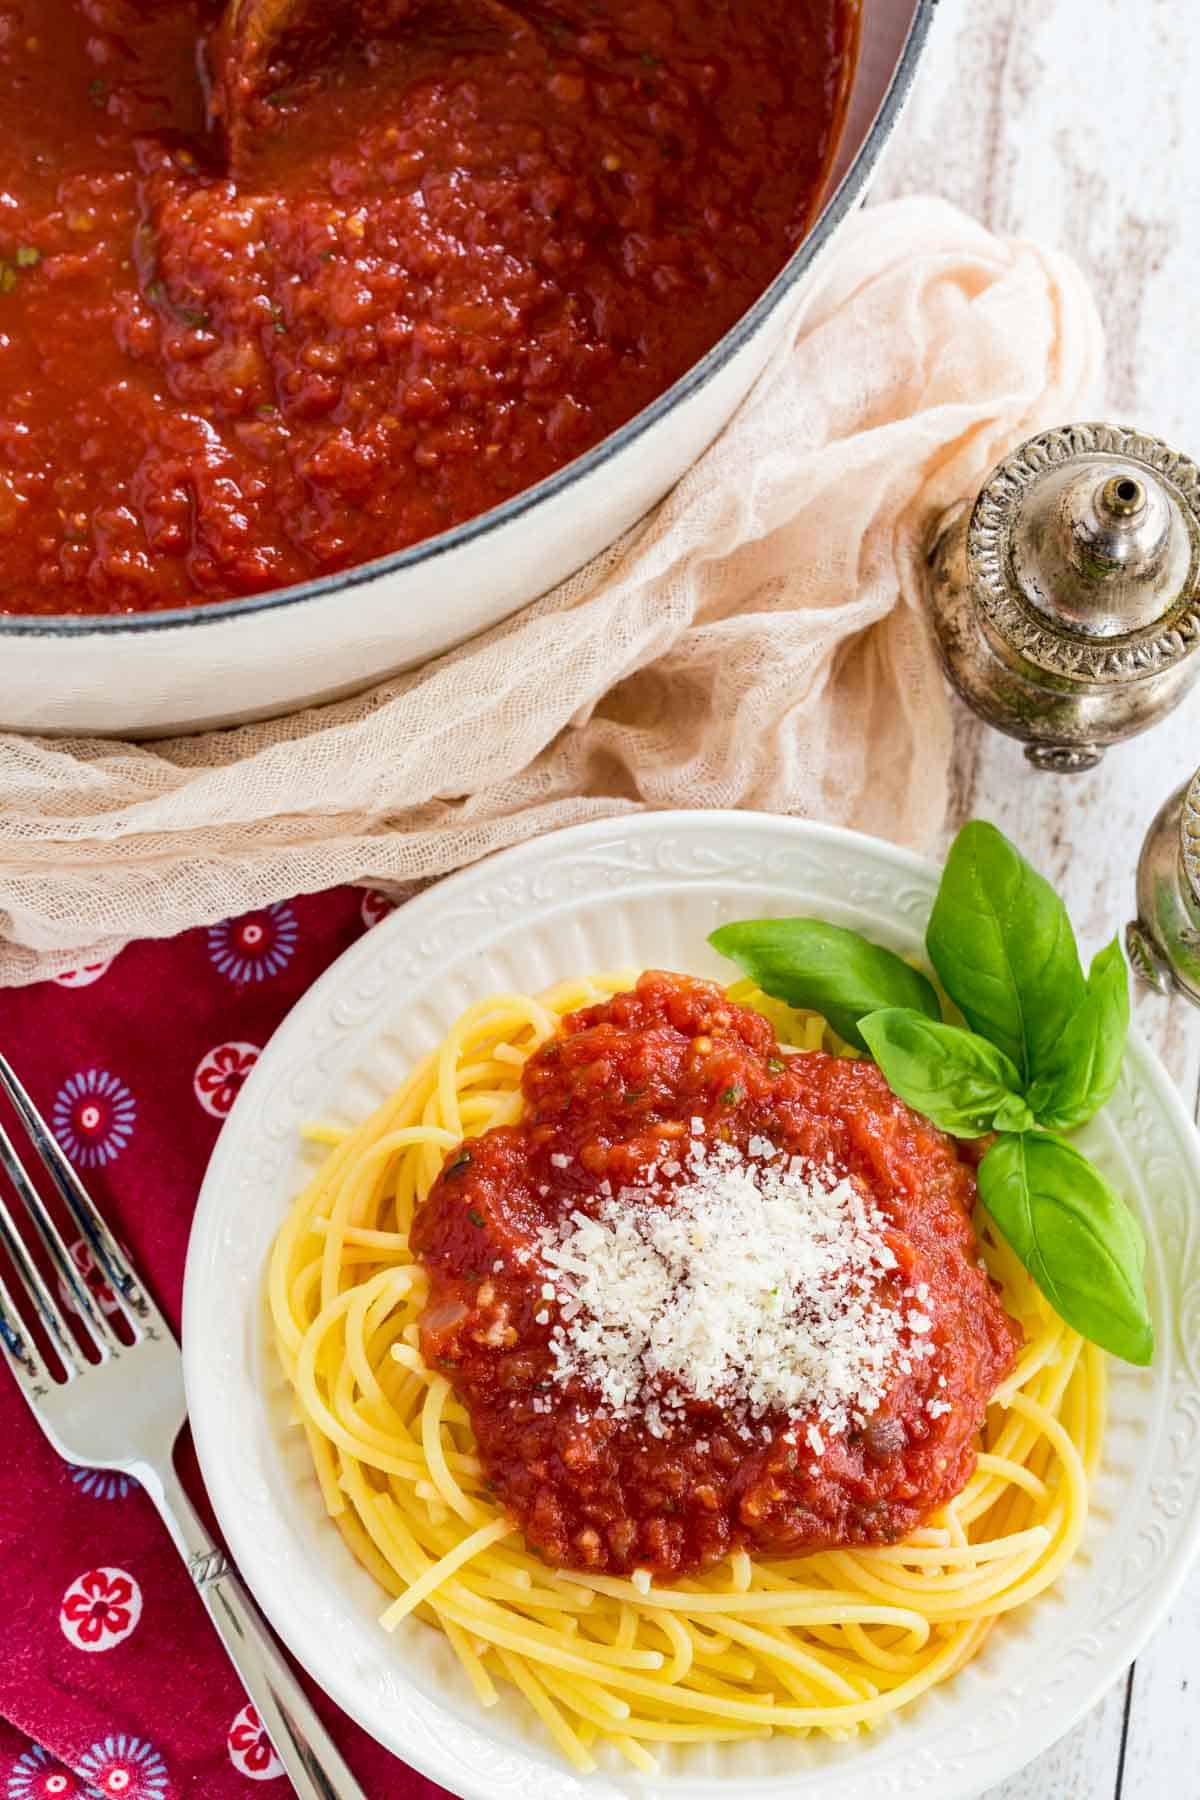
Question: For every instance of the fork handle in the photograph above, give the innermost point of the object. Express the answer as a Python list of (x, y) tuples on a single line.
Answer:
[(313, 1762)]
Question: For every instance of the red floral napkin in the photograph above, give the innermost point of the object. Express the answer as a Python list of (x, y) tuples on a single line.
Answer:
[(112, 1680)]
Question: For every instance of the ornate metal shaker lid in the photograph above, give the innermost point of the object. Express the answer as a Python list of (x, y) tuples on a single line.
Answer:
[(1067, 598)]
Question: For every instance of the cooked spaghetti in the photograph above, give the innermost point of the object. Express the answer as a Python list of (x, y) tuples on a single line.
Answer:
[(600, 1645)]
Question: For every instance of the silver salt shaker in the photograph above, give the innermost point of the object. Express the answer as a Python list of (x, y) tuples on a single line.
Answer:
[(1066, 597)]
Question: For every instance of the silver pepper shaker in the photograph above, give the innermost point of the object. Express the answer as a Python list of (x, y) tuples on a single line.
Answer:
[(1164, 940), (1066, 597)]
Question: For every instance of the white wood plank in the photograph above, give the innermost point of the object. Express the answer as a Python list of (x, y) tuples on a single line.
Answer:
[(1162, 1751), (1073, 121)]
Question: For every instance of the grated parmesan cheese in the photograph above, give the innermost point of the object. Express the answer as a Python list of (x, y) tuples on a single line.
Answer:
[(757, 1282)]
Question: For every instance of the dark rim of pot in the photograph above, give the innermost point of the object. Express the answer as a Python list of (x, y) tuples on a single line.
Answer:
[(845, 197)]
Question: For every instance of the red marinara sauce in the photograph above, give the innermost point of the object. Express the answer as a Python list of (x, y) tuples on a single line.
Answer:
[(459, 261), (620, 1091)]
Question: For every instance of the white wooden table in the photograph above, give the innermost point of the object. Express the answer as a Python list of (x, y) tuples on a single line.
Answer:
[(1078, 122)]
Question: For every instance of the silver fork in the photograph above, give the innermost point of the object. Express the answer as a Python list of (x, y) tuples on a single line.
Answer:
[(125, 1412)]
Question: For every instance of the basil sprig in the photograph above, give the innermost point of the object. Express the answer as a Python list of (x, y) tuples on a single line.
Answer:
[(1040, 1054)]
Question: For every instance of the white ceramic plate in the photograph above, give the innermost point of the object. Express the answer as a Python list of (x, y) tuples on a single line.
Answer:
[(646, 891)]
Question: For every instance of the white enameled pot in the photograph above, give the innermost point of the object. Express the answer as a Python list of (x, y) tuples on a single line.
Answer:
[(164, 673)]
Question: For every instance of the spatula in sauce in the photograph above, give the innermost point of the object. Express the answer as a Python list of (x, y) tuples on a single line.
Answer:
[(262, 45)]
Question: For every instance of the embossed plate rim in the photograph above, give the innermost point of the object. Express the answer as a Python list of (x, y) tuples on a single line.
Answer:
[(963, 1744)]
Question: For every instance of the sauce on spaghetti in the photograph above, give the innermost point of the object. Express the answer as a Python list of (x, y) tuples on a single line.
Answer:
[(622, 1110), (459, 261)]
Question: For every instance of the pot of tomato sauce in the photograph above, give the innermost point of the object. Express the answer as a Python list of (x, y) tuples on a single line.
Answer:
[(473, 304)]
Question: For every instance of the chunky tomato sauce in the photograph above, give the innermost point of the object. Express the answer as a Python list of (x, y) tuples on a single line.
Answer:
[(456, 262), (617, 1093)]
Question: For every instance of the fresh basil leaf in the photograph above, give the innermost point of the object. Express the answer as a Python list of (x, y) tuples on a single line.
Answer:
[(958, 1080), (1082, 1070), (1076, 1237), (1000, 939), (825, 969)]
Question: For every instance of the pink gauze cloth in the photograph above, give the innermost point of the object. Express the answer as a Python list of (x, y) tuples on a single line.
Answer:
[(757, 640)]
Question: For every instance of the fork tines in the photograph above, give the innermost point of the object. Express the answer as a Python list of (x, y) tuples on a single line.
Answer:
[(134, 1305)]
